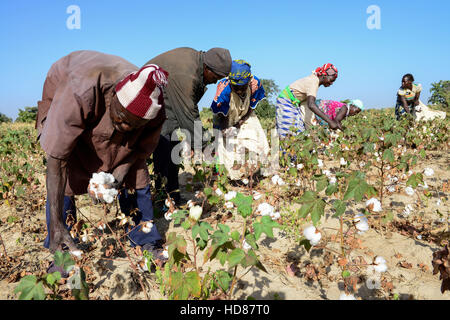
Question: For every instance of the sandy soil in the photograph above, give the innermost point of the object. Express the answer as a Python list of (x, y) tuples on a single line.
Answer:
[(314, 276)]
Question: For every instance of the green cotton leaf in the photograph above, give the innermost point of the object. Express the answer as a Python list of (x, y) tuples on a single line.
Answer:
[(345, 274), (293, 172), (392, 139), (252, 260), (63, 260), (251, 240), (186, 224), (52, 278), (414, 180), (193, 282), (224, 228), (388, 217), (340, 207), (223, 280), (213, 200), (306, 244), (265, 226), (321, 182), (207, 191), (356, 189), (235, 235), (368, 147), (235, 257), (388, 155), (331, 189), (243, 204), (313, 205), (422, 154), (30, 289), (219, 238)]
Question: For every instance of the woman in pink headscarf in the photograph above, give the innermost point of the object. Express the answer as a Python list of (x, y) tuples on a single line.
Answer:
[(296, 104)]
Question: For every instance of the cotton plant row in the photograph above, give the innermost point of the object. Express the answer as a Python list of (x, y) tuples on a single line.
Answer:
[(233, 249)]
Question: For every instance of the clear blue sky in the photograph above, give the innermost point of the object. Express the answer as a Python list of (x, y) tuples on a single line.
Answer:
[(282, 40)]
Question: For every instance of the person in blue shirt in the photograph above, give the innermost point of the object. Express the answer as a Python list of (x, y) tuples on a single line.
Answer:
[(233, 106)]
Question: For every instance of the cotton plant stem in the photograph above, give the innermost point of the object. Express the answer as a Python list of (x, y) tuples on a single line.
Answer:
[(235, 268), (3, 245)]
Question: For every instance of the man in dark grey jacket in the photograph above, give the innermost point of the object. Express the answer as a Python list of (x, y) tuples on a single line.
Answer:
[(190, 71)]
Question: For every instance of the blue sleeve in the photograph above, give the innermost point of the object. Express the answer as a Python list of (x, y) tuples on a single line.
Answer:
[(258, 94), (221, 102)]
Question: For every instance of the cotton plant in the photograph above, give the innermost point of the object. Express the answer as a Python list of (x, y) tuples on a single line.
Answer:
[(100, 187)]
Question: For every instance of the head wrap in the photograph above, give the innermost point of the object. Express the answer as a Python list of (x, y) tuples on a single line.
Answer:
[(240, 72), (218, 60), (327, 69), (141, 91), (357, 103)]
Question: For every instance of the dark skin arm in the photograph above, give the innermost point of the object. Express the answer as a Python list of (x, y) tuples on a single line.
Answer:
[(341, 114), (311, 101), (405, 104), (56, 184)]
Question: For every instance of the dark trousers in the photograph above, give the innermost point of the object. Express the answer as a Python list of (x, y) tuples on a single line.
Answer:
[(141, 200), (164, 167)]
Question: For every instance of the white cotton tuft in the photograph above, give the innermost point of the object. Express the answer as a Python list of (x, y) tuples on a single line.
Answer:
[(380, 264), (428, 172), (168, 215), (99, 185), (265, 209), (195, 212), (229, 205), (320, 163), (147, 227), (77, 253), (409, 191), (343, 162), (312, 235), (376, 205), (246, 246), (230, 195), (245, 181), (219, 192), (345, 296), (300, 166), (275, 215), (256, 195)]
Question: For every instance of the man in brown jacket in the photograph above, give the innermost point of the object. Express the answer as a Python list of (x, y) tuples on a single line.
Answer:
[(190, 71), (99, 113)]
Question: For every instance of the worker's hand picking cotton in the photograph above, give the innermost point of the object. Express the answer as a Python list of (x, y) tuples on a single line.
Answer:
[(100, 187)]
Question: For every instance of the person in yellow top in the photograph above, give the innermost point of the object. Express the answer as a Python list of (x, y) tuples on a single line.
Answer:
[(407, 96)]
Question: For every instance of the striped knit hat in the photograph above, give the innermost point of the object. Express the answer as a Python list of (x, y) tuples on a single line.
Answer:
[(141, 91)]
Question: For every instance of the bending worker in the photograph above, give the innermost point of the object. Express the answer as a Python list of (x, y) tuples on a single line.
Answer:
[(99, 113)]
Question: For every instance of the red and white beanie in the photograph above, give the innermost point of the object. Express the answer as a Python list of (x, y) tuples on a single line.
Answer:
[(141, 91)]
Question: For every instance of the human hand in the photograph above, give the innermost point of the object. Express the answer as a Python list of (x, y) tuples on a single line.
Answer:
[(60, 236)]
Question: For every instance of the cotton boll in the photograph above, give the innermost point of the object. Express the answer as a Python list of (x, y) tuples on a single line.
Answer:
[(428, 172), (165, 253), (374, 205), (408, 210), (256, 195), (275, 179), (438, 202), (343, 162), (333, 180), (362, 226), (300, 166), (320, 163), (169, 202), (77, 253), (195, 212), (275, 215), (327, 172), (391, 189), (409, 191), (345, 296), (147, 227), (219, 192), (265, 209), (230, 195), (101, 226), (312, 235), (245, 181), (380, 264), (190, 203), (229, 205), (168, 215)]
